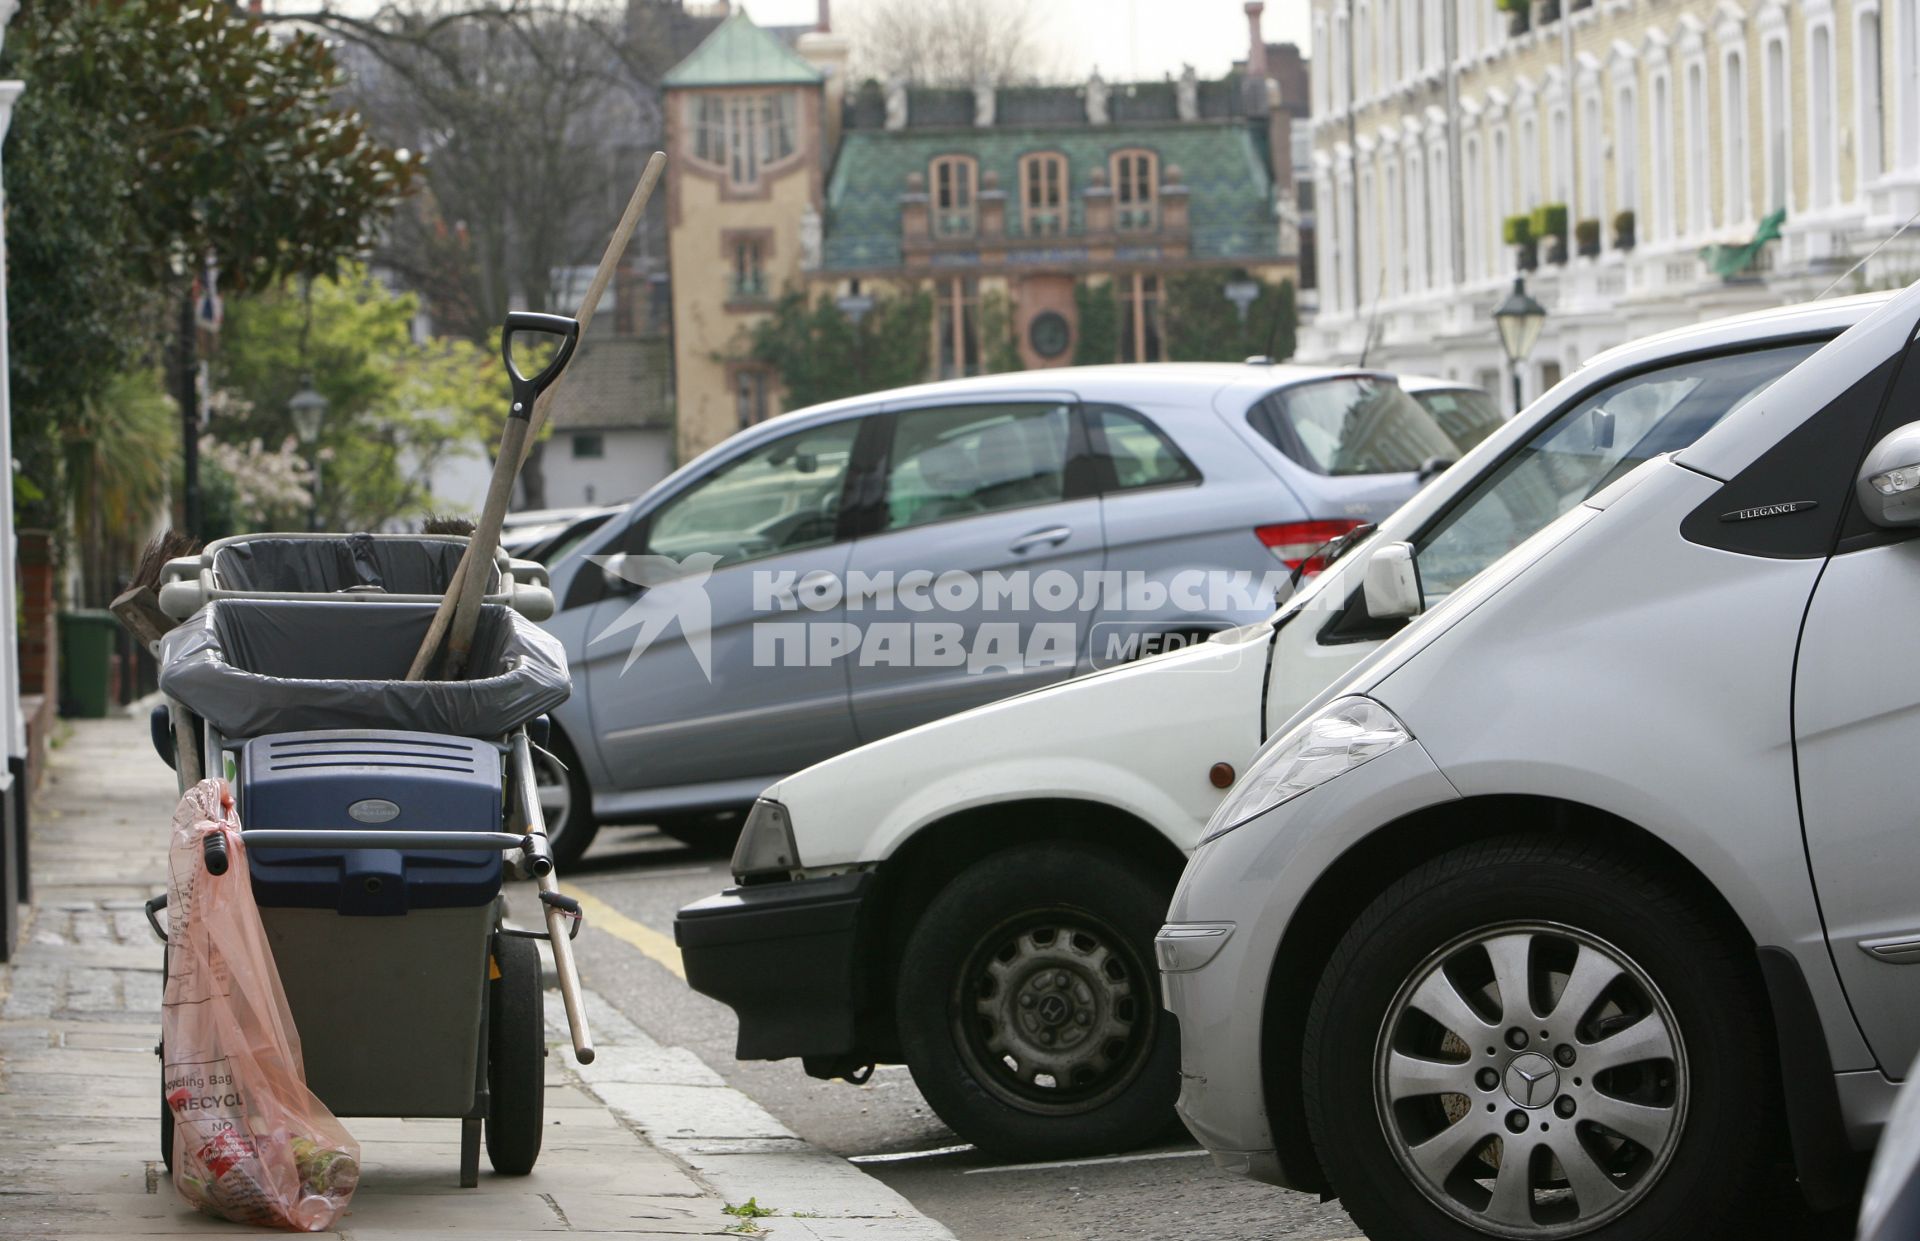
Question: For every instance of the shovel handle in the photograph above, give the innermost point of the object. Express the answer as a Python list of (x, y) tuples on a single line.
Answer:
[(525, 389)]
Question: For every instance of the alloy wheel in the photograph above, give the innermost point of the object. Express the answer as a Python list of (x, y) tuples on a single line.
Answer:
[(1531, 1080)]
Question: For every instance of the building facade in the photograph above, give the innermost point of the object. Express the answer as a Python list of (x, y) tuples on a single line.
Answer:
[(1646, 163), (1011, 209)]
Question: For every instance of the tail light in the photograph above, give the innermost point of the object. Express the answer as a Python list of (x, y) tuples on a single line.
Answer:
[(1295, 542)]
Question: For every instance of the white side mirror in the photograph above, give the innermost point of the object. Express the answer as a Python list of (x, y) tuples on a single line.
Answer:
[(1392, 584), (1889, 482), (611, 574)]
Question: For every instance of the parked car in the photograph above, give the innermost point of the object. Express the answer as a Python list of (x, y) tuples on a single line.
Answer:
[(1151, 470), (921, 898), (1564, 910), (1890, 1205), (549, 543)]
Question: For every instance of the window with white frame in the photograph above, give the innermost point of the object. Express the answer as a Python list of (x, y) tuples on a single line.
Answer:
[(1660, 149), (1439, 220), (1472, 199), (1869, 98), (1342, 96), (742, 134), (1418, 218), (1592, 194), (1363, 52), (1327, 254), (1560, 123), (1371, 270), (1626, 149), (1736, 176), (1775, 115), (1699, 212), (1319, 79), (1906, 62), (1390, 67), (1390, 189), (953, 198), (1502, 190), (1136, 191), (1528, 153), (1343, 278), (1821, 172)]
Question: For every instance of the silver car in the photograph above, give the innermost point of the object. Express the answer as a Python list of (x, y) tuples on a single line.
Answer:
[(723, 630)]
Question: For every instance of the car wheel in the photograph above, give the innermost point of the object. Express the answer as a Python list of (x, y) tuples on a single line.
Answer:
[(565, 801), (1029, 1006), (1528, 1038)]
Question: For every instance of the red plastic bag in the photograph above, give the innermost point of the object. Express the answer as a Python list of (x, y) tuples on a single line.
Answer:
[(250, 1142)]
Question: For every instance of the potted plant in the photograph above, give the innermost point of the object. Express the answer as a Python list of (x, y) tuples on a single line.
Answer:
[(1550, 225), (1519, 15), (1623, 231), (1517, 231), (1586, 236)]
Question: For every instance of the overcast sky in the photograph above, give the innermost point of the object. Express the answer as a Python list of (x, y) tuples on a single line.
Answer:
[(1135, 40)]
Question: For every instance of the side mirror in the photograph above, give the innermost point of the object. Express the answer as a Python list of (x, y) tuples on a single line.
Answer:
[(1889, 482), (1392, 583), (610, 575)]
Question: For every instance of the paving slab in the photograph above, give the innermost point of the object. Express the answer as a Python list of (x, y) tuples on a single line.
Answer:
[(646, 1142)]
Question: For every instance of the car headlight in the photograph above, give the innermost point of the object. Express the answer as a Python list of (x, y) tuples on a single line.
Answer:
[(766, 849), (1346, 733)]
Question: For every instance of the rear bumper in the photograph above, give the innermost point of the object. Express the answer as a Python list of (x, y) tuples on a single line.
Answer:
[(786, 958)]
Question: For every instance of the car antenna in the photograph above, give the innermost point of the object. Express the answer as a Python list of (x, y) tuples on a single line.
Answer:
[(1373, 320)]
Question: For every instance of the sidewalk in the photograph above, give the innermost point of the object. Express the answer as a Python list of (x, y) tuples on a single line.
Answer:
[(646, 1140)]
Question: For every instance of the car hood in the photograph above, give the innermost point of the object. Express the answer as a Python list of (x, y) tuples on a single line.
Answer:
[(1140, 738)]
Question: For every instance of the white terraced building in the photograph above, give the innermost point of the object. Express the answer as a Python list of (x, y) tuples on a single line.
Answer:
[(1436, 121)]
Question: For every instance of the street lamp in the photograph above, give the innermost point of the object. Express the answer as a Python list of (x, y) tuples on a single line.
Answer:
[(308, 409), (1519, 319)]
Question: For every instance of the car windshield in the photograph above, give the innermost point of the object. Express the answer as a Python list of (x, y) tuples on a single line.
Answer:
[(1354, 424), (1586, 448)]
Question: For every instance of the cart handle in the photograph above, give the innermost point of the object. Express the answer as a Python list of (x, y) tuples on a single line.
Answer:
[(348, 838)]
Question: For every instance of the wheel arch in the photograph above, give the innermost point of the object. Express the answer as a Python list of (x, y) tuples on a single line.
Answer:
[(940, 850), (1372, 865)]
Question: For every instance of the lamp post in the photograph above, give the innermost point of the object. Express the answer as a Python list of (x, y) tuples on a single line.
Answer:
[(1519, 319), (308, 409)]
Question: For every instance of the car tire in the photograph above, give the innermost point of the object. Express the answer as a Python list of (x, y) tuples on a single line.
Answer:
[(516, 1058), (1633, 1005), (566, 801), (983, 1015)]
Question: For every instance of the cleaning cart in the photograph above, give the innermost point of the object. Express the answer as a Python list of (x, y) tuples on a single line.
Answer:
[(382, 815)]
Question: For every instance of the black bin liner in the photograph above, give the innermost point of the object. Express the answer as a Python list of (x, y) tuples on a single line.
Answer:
[(253, 666), (394, 566)]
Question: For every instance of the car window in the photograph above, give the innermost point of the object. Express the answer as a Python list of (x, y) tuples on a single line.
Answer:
[(1355, 424), (1133, 452), (1585, 449), (1467, 415), (957, 461), (781, 497)]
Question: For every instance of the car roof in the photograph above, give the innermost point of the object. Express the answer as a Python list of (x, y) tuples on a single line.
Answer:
[(1197, 382), (1830, 316)]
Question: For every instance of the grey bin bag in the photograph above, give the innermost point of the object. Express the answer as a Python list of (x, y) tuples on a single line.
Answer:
[(254, 666), (348, 562)]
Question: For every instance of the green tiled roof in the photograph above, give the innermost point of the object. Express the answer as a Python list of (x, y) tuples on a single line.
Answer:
[(1229, 187), (739, 53)]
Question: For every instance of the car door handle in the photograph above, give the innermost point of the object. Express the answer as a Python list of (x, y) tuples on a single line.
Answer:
[(1051, 536)]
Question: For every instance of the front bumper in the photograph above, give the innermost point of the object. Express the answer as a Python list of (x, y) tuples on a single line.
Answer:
[(1218, 956), (785, 957)]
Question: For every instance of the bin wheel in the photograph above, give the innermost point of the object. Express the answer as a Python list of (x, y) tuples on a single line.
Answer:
[(516, 1052)]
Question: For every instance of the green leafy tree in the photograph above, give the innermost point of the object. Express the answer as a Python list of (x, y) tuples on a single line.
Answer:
[(1203, 326), (1099, 313), (155, 134), (822, 355), (396, 407)]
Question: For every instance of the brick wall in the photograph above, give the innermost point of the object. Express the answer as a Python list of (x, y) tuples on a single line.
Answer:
[(39, 630)]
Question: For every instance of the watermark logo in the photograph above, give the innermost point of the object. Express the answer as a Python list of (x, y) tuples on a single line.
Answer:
[(987, 622), (670, 591)]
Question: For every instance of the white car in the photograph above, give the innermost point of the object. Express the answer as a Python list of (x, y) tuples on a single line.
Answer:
[(978, 897)]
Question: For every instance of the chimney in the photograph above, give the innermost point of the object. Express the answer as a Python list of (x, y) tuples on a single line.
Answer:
[(1257, 42)]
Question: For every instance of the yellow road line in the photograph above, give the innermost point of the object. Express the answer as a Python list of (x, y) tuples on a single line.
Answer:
[(650, 942)]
